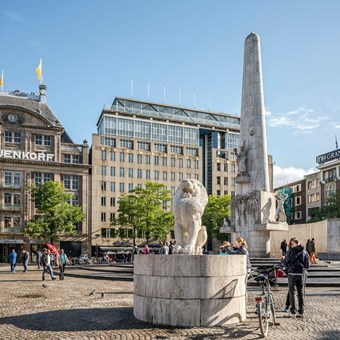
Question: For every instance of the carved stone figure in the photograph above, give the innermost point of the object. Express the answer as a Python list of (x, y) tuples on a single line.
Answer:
[(253, 206), (189, 203), (241, 160), (280, 214), (266, 211)]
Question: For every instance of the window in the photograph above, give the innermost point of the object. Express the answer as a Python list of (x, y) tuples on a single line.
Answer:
[(42, 140), (218, 180), (196, 176), (165, 205), (232, 167), (121, 172), (172, 176), (108, 141), (156, 175), (147, 159), (156, 160), (121, 187), (188, 176), (75, 200), (75, 182), (130, 157), (191, 151), (112, 217), (218, 166), (188, 163), (103, 185), (108, 232), (164, 161), (103, 201), (7, 221), (112, 201), (67, 182), (139, 173), (232, 181), (180, 163), (12, 137), (180, 177), (196, 164), (298, 215), (165, 175), (314, 198), (113, 186), (143, 146), (122, 156), (225, 180), (130, 172), (147, 174), (112, 156), (176, 149), (103, 155), (160, 147), (128, 144), (139, 159), (113, 171), (103, 170), (298, 200), (313, 184), (103, 217), (172, 190), (225, 167), (130, 187), (12, 178), (218, 192), (40, 177), (329, 175), (172, 161), (7, 198)]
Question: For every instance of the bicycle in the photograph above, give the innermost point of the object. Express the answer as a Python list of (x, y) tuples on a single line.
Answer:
[(265, 304)]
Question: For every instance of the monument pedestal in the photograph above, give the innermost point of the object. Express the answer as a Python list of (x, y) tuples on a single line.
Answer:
[(190, 290)]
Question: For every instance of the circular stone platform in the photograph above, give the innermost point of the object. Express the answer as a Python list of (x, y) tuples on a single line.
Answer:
[(190, 290)]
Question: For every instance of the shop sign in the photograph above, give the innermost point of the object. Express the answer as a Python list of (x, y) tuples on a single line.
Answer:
[(8, 241), (32, 156)]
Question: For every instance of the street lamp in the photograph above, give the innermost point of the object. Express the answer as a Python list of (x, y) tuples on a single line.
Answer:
[(97, 248)]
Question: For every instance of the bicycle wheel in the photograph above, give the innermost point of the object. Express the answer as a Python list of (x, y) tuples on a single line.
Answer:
[(272, 308), (263, 318)]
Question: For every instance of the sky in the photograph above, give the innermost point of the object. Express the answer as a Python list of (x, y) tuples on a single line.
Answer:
[(92, 50)]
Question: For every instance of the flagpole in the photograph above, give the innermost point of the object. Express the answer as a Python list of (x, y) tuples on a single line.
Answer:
[(2, 80), (41, 77)]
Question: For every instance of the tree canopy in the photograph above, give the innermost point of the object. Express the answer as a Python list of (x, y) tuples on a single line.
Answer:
[(142, 211), (55, 213), (330, 210), (217, 209)]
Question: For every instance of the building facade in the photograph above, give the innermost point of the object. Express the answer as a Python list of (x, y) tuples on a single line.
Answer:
[(34, 148), (138, 141)]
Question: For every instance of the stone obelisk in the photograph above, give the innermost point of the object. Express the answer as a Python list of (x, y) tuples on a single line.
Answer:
[(254, 206)]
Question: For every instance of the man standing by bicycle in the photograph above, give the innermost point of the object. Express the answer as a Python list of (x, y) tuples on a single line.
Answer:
[(297, 263)]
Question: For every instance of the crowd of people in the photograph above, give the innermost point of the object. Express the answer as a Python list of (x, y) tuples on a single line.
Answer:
[(45, 260)]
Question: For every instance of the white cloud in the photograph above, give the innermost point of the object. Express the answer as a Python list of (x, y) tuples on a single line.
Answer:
[(13, 16), (302, 120), (288, 175)]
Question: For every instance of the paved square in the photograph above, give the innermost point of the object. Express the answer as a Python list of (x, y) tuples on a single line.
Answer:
[(65, 310)]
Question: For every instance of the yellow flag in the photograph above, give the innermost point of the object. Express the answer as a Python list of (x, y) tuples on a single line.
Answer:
[(39, 70), (2, 79)]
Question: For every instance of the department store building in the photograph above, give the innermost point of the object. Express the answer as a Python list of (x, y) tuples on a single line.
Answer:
[(34, 148)]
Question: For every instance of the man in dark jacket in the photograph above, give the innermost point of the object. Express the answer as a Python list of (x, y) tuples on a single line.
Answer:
[(297, 262)]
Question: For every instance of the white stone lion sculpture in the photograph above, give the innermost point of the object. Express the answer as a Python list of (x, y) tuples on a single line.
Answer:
[(189, 203)]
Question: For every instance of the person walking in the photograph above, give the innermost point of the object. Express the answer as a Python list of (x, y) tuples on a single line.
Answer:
[(62, 260), (312, 251), (308, 247), (283, 247), (297, 263), (25, 256), (13, 260), (38, 258), (46, 263)]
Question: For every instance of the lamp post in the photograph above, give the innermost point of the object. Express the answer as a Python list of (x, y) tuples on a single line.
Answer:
[(97, 247)]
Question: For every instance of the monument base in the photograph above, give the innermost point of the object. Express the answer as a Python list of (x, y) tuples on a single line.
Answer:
[(190, 290)]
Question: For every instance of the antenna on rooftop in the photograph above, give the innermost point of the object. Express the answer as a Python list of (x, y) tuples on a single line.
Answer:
[(336, 143), (148, 91), (131, 88), (163, 93), (179, 97)]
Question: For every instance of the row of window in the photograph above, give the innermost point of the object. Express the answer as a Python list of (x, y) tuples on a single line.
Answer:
[(112, 201), (225, 181), (13, 178), (11, 221), (224, 167), (16, 138)]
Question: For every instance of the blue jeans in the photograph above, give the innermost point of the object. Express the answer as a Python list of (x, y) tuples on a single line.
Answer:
[(13, 265), (25, 263), (49, 267)]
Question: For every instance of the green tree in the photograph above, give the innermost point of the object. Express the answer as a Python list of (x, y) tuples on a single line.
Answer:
[(55, 213), (142, 211), (217, 209), (330, 210)]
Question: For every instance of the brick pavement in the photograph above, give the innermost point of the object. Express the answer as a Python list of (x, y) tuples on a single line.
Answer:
[(64, 310)]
